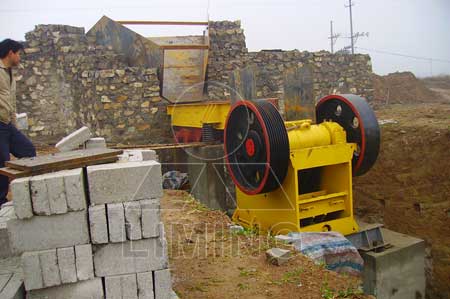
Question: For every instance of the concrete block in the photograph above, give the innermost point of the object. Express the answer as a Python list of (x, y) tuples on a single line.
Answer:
[(120, 182), (129, 286), (150, 218), (129, 257), (163, 284), (163, 242), (56, 193), (32, 274), (88, 289), (98, 224), (284, 238), (113, 287), (74, 140), (138, 155), (398, 272), (278, 256), (133, 220), (75, 193), (145, 285), (47, 232), (84, 262), (13, 289), (116, 222), (20, 190), (49, 268), (97, 142), (6, 213), (39, 195), (66, 264)]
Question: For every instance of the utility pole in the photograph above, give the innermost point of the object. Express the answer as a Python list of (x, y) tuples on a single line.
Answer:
[(353, 36), (351, 26), (333, 37)]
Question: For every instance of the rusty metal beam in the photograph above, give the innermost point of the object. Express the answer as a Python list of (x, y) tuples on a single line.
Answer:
[(162, 23)]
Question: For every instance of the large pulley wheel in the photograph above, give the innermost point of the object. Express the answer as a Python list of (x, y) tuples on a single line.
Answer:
[(357, 118), (256, 146)]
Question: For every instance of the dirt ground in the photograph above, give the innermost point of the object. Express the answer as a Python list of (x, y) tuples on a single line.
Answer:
[(207, 261), (409, 187)]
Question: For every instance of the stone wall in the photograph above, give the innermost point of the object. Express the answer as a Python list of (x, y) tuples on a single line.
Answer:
[(68, 81), (332, 73)]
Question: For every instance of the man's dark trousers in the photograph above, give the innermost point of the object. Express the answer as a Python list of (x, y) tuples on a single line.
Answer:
[(14, 142)]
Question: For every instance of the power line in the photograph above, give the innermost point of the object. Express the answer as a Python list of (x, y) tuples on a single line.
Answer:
[(333, 37), (405, 55)]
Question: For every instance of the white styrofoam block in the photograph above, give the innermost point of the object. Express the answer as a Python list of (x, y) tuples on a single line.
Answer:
[(74, 140)]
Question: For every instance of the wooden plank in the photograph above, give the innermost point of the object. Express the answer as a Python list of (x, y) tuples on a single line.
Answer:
[(62, 160), (163, 23), (14, 173)]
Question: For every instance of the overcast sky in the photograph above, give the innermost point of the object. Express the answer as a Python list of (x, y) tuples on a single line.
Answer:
[(409, 27)]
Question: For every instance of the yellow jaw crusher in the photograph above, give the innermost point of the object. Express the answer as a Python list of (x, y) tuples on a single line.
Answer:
[(296, 175)]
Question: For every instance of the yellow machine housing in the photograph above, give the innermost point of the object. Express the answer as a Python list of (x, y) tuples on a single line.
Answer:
[(316, 194)]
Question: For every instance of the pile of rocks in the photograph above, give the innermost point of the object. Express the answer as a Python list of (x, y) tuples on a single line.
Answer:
[(92, 233)]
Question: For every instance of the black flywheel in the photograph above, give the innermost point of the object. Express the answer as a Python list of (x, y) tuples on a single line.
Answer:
[(256, 146), (357, 118)]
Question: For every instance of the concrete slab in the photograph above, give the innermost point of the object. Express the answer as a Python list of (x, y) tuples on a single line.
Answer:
[(56, 193), (98, 224), (397, 272), (47, 232), (66, 264), (133, 216), (84, 262), (39, 195), (129, 257), (121, 182), (20, 190), (32, 273), (14, 287), (163, 284), (88, 289), (145, 285), (150, 218), (113, 287), (116, 222), (96, 142), (49, 268), (75, 191), (74, 140), (129, 286)]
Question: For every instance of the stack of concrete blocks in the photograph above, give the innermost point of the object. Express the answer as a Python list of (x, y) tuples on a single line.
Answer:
[(98, 236), (51, 232), (130, 250)]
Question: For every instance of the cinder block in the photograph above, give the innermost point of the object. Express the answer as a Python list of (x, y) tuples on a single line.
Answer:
[(145, 285), (49, 268), (74, 140), (133, 220), (66, 264), (150, 218), (88, 289), (129, 257), (39, 195), (163, 284), (84, 262), (129, 286), (20, 190), (120, 182), (138, 155), (32, 275), (75, 193), (98, 224), (116, 222), (97, 142), (113, 287), (56, 193), (47, 232)]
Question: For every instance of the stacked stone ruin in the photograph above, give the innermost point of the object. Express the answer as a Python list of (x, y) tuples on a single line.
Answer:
[(92, 233)]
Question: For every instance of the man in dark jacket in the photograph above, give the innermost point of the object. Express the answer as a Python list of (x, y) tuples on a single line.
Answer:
[(11, 140)]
